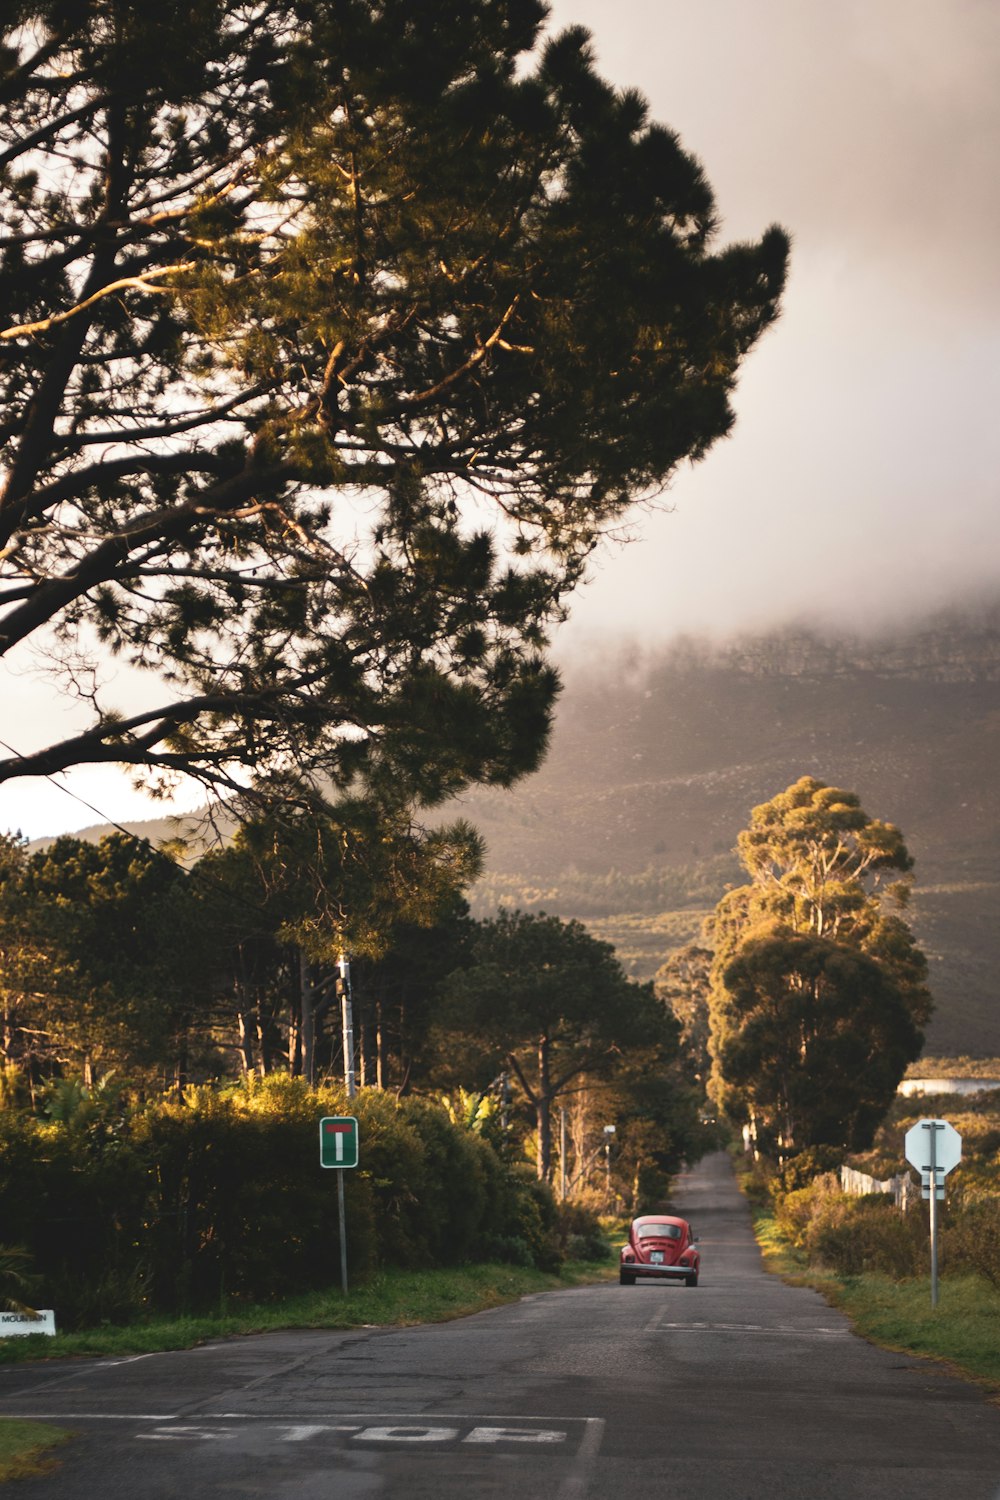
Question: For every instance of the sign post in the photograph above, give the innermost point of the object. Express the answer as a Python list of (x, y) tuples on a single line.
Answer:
[(338, 1148), (934, 1147)]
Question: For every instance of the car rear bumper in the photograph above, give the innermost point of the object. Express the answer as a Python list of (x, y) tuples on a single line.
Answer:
[(656, 1273)]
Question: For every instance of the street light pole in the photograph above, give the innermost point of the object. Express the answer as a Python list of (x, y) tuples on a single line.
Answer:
[(609, 1131), (347, 1021)]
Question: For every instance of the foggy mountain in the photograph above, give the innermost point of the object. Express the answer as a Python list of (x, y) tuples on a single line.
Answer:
[(658, 757)]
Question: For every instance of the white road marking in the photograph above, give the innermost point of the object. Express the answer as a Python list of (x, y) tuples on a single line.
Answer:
[(80, 1373), (515, 1435), (187, 1434), (94, 1416), (300, 1434), (404, 1428), (776, 1330), (577, 1482), (407, 1435)]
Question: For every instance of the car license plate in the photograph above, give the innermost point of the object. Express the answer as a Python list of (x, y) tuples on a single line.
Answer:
[(656, 1256)]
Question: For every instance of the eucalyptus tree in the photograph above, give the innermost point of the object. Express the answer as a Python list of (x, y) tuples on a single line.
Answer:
[(818, 989), (682, 983), (337, 333)]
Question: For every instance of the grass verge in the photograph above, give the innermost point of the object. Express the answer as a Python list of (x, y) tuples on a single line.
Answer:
[(25, 1447), (394, 1297), (963, 1331)]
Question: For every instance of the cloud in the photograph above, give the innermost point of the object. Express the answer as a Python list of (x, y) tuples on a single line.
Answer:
[(872, 128), (861, 481)]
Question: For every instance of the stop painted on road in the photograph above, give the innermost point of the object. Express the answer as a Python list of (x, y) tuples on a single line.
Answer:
[(469, 1431)]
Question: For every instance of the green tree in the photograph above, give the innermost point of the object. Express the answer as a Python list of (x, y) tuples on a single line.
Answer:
[(682, 982), (125, 957), (399, 995), (22, 965), (343, 331), (820, 1036), (545, 999), (294, 891), (818, 990)]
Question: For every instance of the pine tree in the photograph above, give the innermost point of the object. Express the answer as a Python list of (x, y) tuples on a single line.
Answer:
[(546, 1000), (342, 333)]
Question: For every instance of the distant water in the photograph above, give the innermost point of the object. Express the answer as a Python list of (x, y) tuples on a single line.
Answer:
[(911, 1086)]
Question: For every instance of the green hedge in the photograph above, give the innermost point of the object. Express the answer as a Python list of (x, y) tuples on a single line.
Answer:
[(193, 1205)]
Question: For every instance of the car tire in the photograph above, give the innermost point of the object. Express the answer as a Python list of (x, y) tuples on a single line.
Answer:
[(691, 1280), (625, 1279)]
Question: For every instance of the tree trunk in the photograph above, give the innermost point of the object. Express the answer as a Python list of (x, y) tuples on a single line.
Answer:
[(7, 1036), (263, 1039), (246, 1039), (181, 1064), (379, 1047), (308, 1006), (294, 1048), (243, 1016), (542, 1112)]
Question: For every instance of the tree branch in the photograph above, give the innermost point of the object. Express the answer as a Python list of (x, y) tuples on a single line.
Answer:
[(136, 283), (107, 559)]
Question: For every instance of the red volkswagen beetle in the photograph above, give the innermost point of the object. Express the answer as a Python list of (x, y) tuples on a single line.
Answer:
[(660, 1248)]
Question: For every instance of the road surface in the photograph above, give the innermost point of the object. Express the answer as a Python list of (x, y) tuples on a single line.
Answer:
[(739, 1389)]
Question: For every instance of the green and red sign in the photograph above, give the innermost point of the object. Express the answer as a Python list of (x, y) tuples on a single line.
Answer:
[(338, 1141)]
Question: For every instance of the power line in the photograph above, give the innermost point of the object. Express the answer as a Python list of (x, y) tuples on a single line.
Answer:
[(194, 873)]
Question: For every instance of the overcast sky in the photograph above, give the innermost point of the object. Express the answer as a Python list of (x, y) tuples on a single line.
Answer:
[(862, 479)]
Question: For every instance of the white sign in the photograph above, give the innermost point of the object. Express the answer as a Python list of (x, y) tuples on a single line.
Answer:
[(945, 1152), (16, 1325)]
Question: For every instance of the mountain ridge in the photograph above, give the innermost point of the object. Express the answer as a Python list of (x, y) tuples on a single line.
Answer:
[(658, 757), (657, 762)]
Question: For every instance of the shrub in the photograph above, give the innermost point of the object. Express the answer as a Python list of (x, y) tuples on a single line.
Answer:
[(795, 1211), (855, 1235), (970, 1241), (536, 1214), (759, 1182), (188, 1205), (803, 1168), (238, 1206), (86, 1300), (580, 1234)]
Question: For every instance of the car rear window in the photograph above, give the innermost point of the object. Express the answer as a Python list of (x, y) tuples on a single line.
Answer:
[(659, 1231)]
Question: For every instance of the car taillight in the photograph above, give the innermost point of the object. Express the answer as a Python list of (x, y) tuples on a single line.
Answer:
[(627, 1255)]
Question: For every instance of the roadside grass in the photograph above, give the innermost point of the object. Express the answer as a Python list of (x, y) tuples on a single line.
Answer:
[(963, 1331), (394, 1297), (25, 1447)]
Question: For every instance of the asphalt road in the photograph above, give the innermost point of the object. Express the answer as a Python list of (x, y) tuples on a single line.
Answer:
[(739, 1389)]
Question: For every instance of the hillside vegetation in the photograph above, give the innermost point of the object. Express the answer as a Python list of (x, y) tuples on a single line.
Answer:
[(657, 760), (658, 757)]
